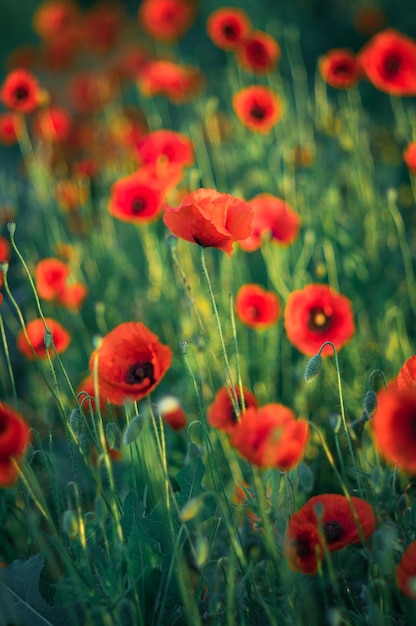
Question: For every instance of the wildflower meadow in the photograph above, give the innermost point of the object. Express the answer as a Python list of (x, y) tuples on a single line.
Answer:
[(208, 316)]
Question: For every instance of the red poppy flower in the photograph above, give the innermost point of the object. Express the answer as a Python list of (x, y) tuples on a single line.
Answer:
[(172, 413), (36, 333), (131, 62), (407, 376), (258, 107), (178, 83), (14, 439), (340, 69), (271, 436), (135, 199), (307, 535), (256, 307), (54, 17), (389, 62), (259, 53), (210, 219), (409, 157), (228, 27), (394, 426), (20, 91), (102, 26), (131, 363), (72, 296), (406, 571), (51, 276), (221, 413), (273, 218), (9, 128), (53, 124), (59, 53), (4, 249), (317, 314), (166, 144), (167, 20)]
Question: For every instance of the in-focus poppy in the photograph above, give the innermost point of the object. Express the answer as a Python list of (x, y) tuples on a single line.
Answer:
[(20, 91), (256, 307), (274, 220), (53, 18), (258, 108), (406, 572), (409, 157), (14, 439), (271, 436), (394, 426), (131, 363), (172, 413), (51, 276), (210, 219), (167, 20), (340, 69), (325, 521), (316, 314), (9, 128), (228, 27), (178, 83), (166, 144), (259, 53), (221, 413), (389, 62), (53, 124), (135, 199), (36, 333)]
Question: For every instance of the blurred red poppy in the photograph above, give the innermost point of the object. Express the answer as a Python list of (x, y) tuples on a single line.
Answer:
[(59, 53), (316, 314), (20, 91), (166, 144), (90, 91), (340, 69), (256, 307), (51, 276), (406, 571), (407, 376), (135, 199), (325, 521), (409, 157), (53, 124), (394, 426), (172, 413), (102, 26), (36, 332), (9, 128), (73, 295), (228, 27), (178, 83), (273, 219), (53, 18), (131, 363), (4, 249), (271, 436), (14, 439), (258, 108), (221, 413), (259, 53), (167, 20), (389, 62), (210, 219)]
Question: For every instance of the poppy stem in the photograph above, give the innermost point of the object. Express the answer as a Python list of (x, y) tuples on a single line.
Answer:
[(8, 361)]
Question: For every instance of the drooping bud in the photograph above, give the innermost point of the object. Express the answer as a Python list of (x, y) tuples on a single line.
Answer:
[(133, 430), (313, 368), (74, 421), (370, 401)]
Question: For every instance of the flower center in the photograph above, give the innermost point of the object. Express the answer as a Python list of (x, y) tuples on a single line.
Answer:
[(318, 320), (137, 205), (139, 372), (258, 52), (333, 531), (258, 112), (229, 31), (392, 65), (343, 70), (21, 92), (3, 427)]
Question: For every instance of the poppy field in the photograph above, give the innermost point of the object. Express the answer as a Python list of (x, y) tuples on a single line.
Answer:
[(207, 319)]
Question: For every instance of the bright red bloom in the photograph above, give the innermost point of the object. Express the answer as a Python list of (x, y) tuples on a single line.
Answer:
[(221, 413), (271, 436), (135, 199), (178, 83), (36, 333), (166, 144), (131, 363), (273, 219), (4, 249), (259, 53), (258, 107), (406, 572), (394, 426), (389, 62), (14, 439), (53, 18), (210, 219), (335, 528), (102, 26), (9, 125), (228, 27), (51, 276), (53, 124), (409, 157), (167, 20), (256, 307), (20, 91), (316, 314), (172, 413), (340, 69)]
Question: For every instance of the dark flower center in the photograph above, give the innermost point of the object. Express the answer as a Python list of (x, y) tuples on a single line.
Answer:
[(333, 531), (21, 92), (139, 372), (137, 205), (231, 411), (258, 112), (318, 320), (343, 70), (302, 547), (258, 53), (3, 427), (229, 31), (392, 64)]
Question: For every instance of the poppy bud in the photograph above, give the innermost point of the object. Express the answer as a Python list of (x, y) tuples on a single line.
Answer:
[(172, 412), (313, 368), (70, 524), (133, 430), (370, 401)]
